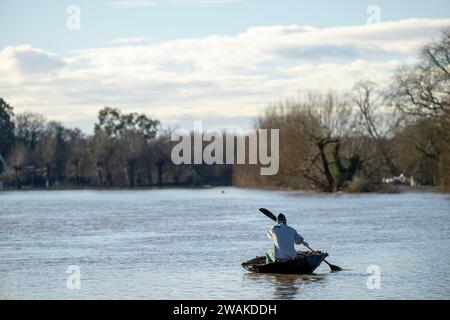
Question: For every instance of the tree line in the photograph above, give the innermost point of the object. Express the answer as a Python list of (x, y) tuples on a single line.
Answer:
[(126, 150), (357, 140)]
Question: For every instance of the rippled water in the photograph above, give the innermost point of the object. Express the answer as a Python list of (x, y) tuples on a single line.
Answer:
[(189, 244)]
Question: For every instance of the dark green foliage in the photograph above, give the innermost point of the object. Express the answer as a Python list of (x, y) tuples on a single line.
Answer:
[(115, 124), (2, 165), (343, 173), (6, 127)]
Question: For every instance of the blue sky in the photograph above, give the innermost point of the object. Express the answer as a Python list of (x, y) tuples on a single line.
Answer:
[(217, 60), (41, 23)]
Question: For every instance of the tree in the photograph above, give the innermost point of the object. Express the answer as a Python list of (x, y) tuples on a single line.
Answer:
[(376, 119), (104, 153), (6, 127), (45, 155), (115, 124), (312, 131), (422, 91), (79, 164), (28, 127), (424, 88), (345, 173), (132, 145), (416, 152), (160, 150), (61, 136), (16, 160), (331, 120), (122, 140), (2, 165)]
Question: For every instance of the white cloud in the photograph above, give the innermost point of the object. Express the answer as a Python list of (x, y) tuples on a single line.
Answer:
[(215, 76), (24, 61)]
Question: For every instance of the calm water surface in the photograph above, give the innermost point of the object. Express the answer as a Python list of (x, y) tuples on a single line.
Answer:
[(189, 244)]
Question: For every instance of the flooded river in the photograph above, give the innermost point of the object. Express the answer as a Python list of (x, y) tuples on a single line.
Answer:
[(189, 244)]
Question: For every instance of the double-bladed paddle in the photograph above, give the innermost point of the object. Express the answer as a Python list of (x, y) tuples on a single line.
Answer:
[(274, 218)]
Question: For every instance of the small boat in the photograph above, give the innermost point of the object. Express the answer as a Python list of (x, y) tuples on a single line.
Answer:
[(305, 262)]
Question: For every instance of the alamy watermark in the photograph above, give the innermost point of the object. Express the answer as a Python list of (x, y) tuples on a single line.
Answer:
[(74, 279), (374, 13), (374, 280), (221, 143), (74, 18)]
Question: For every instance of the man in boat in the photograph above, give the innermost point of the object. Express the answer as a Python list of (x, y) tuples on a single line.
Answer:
[(284, 239)]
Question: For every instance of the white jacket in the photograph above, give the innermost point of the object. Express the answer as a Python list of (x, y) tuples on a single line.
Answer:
[(283, 238)]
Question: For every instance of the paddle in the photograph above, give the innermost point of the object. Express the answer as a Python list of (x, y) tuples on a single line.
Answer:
[(272, 216)]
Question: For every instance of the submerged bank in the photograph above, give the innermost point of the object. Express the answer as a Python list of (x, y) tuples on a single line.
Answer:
[(385, 189)]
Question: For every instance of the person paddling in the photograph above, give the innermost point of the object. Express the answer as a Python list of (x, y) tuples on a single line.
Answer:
[(284, 239)]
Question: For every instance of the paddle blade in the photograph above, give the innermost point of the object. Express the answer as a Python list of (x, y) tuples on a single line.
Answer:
[(268, 213), (335, 268)]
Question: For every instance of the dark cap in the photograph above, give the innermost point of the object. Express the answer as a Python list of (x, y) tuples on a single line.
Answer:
[(281, 218)]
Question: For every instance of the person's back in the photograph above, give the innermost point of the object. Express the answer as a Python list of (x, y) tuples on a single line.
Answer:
[(284, 239)]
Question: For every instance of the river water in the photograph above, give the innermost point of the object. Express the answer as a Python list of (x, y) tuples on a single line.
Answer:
[(189, 244)]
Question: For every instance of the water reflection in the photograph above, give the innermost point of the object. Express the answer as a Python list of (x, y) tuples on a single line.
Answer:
[(285, 286)]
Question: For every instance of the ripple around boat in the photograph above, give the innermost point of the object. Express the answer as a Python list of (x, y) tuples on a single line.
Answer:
[(305, 262)]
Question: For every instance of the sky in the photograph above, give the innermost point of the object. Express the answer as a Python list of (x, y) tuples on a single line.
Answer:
[(218, 61)]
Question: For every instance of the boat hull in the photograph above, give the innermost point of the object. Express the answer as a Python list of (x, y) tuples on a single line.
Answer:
[(305, 262)]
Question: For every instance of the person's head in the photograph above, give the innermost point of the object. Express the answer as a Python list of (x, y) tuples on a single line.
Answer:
[(281, 218)]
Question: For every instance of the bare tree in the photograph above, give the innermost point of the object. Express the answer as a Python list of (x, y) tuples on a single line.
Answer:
[(79, 164), (132, 145), (17, 159), (161, 149), (311, 132), (28, 128), (45, 155), (376, 119), (331, 120), (423, 91), (104, 153)]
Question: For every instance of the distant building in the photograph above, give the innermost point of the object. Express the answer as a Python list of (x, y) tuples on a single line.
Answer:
[(401, 179)]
